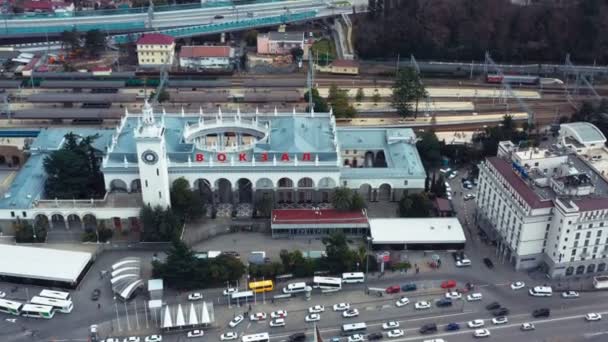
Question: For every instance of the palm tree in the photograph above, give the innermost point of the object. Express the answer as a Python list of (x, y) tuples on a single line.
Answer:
[(342, 198), (361, 255)]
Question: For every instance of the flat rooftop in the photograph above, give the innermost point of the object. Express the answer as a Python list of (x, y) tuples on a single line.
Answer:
[(42, 263), (416, 230), (283, 218)]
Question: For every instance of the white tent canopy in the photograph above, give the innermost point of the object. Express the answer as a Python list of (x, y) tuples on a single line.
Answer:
[(205, 319), (192, 319), (167, 323), (179, 320)]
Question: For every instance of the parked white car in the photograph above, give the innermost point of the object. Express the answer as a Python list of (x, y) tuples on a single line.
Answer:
[(278, 314), (453, 295), (195, 296), (195, 333), (481, 333), (570, 294), (475, 323), (403, 301), (258, 316), (236, 321), (472, 297), (341, 306), (314, 317), (395, 333), (316, 309), (153, 338), (229, 291), (527, 326), (592, 316), (390, 325), (500, 320), (518, 285), (350, 313), (356, 338), (277, 322), (229, 336), (422, 305)]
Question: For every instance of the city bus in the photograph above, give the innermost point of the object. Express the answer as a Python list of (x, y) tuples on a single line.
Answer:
[(327, 283), (10, 307), (64, 306), (353, 277), (541, 291), (241, 297), (261, 337), (37, 311), (55, 294), (354, 328), (261, 286)]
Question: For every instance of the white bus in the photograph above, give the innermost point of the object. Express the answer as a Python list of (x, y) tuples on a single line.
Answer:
[(60, 305), (37, 311), (261, 337), (353, 277), (354, 328), (327, 283), (55, 294), (541, 291), (295, 288), (10, 306), (241, 297)]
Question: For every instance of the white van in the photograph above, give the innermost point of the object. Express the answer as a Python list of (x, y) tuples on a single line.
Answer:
[(295, 288)]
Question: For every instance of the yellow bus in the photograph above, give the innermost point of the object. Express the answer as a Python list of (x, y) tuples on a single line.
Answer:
[(261, 286)]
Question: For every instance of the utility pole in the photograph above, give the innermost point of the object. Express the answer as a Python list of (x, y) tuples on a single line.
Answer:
[(310, 81)]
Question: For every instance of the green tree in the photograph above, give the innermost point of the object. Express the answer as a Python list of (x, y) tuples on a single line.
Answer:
[(73, 171), (94, 42), (338, 99), (339, 257), (429, 149), (357, 202), (186, 203), (360, 95), (296, 54), (319, 103), (70, 40), (264, 207), (407, 88), (342, 198), (163, 96), (376, 97), (251, 37), (159, 224), (25, 233), (415, 205), (438, 188)]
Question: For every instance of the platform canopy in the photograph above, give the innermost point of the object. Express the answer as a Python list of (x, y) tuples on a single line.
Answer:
[(43, 264)]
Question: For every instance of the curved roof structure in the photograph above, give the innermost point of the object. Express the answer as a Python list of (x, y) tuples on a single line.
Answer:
[(584, 132)]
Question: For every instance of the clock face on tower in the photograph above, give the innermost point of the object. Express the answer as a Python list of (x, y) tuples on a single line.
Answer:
[(149, 157)]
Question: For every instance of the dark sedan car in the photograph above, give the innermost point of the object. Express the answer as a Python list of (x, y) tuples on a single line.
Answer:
[(488, 262), (500, 312), (493, 306)]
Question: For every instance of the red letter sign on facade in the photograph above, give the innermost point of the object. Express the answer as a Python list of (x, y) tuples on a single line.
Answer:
[(221, 157), (264, 156), (285, 157), (242, 157), (306, 156), (200, 157)]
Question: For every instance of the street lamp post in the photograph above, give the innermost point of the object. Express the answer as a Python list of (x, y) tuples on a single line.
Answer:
[(369, 241)]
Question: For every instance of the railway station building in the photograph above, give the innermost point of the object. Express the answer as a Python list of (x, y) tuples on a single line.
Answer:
[(235, 160)]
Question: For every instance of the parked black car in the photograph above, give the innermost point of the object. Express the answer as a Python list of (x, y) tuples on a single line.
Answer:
[(544, 312), (488, 262), (428, 328), (297, 337), (375, 336), (500, 312), (493, 306), (444, 302)]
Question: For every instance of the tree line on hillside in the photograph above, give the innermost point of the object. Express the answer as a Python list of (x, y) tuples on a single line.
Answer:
[(465, 29)]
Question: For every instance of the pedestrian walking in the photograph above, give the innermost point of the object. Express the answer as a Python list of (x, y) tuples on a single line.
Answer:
[(98, 306)]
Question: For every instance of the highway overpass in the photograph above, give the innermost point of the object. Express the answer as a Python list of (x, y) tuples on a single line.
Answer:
[(223, 14)]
